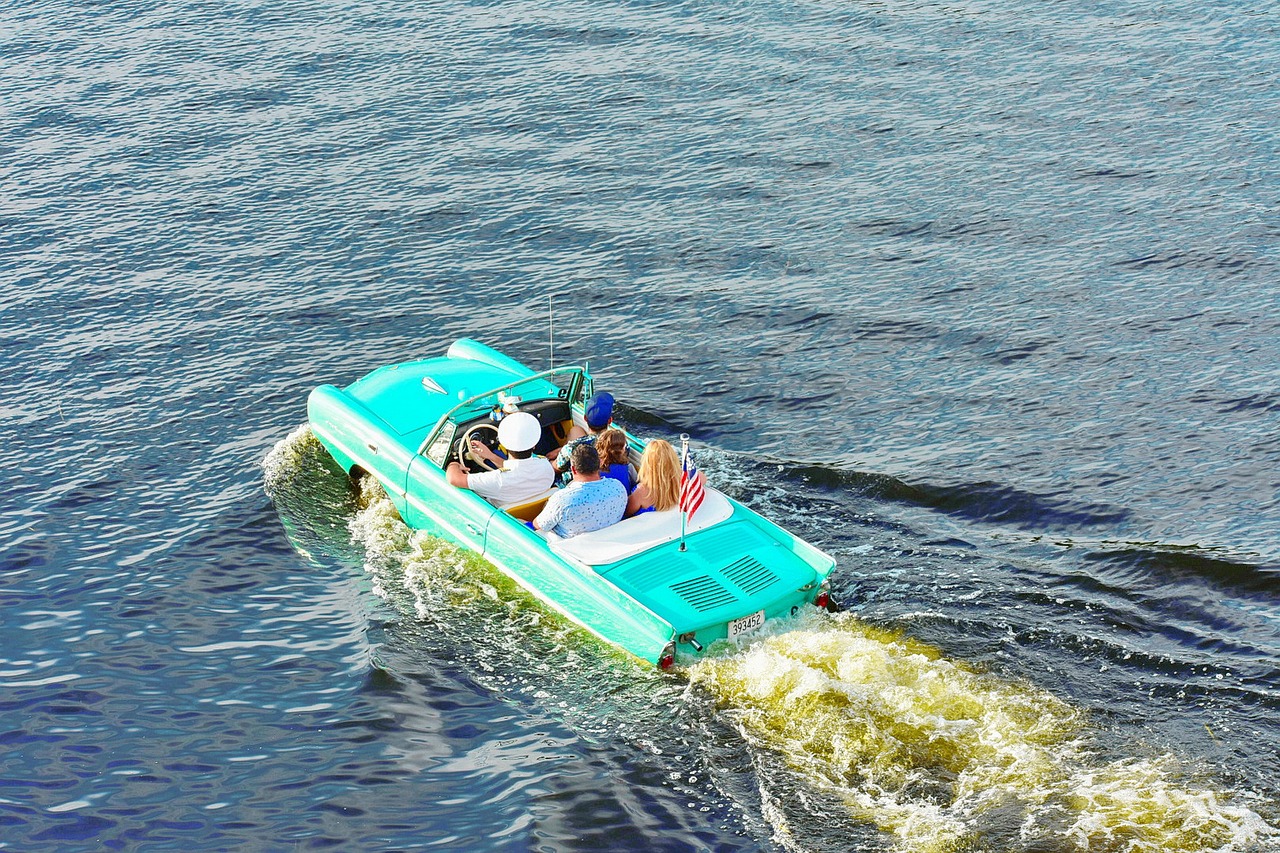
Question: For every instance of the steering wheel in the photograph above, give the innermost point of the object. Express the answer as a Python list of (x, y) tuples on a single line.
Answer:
[(489, 440)]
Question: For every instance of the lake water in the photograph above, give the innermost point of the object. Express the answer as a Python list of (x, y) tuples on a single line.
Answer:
[(979, 297)]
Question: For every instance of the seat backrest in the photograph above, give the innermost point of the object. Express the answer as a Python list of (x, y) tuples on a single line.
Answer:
[(528, 509)]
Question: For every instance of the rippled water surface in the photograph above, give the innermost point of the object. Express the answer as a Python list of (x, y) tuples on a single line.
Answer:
[(978, 297)]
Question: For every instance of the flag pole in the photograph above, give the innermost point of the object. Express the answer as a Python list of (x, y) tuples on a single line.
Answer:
[(684, 468)]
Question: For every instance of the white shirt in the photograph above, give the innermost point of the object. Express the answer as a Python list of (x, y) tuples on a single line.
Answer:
[(516, 481)]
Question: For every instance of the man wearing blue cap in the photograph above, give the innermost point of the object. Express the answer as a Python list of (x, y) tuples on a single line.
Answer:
[(599, 416)]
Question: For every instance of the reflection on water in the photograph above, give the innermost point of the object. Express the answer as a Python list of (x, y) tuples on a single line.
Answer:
[(947, 758)]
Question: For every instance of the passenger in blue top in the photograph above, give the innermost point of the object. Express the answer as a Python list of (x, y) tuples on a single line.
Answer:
[(589, 503), (611, 445)]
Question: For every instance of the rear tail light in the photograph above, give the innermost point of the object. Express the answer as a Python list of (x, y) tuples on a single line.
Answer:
[(668, 657), (824, 600)]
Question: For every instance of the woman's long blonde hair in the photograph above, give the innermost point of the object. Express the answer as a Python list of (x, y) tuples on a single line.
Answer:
[(660, 474)]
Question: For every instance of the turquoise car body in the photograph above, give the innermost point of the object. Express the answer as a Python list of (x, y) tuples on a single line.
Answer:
[(402, 424)]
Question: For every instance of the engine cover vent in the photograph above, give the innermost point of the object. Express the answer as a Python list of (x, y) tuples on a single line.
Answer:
[(703, 593), (750, 575)]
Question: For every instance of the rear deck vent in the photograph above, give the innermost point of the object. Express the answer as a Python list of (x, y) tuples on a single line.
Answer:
[(703, 593), (646, 576), (750, 575)]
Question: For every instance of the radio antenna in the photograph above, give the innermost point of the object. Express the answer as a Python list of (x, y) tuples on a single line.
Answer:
[(551, 331)]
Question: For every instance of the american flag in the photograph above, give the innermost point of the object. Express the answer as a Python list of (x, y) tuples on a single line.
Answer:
[(691, 493)]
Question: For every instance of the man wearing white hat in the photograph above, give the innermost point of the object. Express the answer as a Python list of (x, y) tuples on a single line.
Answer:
[(522, 476)]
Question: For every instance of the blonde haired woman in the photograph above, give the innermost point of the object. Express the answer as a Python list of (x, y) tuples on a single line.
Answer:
[(659, 481)]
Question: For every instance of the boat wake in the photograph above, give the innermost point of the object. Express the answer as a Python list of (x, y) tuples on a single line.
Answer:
[(452, 607), (936, 755), (945, 758)]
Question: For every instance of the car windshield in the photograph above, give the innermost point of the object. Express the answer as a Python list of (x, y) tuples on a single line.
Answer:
[(557, 384)]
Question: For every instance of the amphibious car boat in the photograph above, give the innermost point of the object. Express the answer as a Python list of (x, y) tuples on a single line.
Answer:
[(659, 589)]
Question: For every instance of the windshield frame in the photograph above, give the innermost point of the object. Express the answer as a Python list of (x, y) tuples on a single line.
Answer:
[(579, 380)]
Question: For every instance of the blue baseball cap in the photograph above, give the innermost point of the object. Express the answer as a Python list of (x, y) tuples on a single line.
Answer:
[(599, 409)]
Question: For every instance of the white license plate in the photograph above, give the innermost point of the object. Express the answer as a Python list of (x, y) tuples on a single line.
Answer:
[(746, 624)]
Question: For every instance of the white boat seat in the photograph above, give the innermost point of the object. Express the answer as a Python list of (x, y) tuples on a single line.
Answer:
[(638, 533)]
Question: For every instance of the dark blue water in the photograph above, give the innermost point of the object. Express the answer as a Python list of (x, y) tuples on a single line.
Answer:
[(980, 298)]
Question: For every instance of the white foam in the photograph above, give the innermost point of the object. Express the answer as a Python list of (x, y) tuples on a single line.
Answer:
[(930, 750)]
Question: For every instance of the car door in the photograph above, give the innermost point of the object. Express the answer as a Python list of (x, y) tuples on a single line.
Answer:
[(459, 515)]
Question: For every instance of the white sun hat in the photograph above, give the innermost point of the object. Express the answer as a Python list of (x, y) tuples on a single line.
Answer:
[(519, 431)]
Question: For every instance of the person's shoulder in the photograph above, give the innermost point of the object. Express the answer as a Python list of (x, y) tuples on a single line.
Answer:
[(557, 499), (535, 462)]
